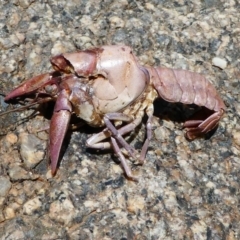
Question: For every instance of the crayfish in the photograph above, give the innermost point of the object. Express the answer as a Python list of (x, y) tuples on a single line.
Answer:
[(107, 87)]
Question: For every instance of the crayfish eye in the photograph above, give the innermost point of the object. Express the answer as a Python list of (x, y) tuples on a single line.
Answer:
[(60, 63)]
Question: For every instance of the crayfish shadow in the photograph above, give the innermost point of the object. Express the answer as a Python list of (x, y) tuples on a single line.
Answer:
[(179, 113), (176, 112)]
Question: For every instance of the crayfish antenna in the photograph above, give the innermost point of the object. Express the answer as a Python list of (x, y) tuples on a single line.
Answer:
[(26, 106)]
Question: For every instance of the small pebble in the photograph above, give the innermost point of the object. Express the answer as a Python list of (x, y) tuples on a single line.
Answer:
[(20, 36), (219, 62), (49, 174), (237, 104), (83, 42), (24, 3), (11, 138), (31, 206), (161, 133), (116, 22), (199, 229), (170, 201), (49, 235), (58, 48), (17, 173), (2, 218), (31, 149), (11, 66), (169, 124), (62, 212), (2, 199), (5, 186), (135, 204), (236, 138), (15, 233), (34, 58), (149, 6), (9, 213)]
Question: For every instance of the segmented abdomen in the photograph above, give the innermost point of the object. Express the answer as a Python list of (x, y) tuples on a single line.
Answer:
[(175, 85)]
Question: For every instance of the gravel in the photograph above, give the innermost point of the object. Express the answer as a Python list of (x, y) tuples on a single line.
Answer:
[(187, 190)]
